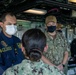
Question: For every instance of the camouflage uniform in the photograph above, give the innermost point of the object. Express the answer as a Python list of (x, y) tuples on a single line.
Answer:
[(56, 48), (28, 67)]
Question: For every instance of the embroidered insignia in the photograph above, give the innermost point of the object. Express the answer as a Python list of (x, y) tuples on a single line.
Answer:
[(3, 43)]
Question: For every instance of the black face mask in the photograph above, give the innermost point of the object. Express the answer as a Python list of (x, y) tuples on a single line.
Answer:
[(51, 28)]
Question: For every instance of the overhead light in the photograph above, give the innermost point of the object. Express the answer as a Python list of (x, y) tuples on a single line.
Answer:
[(36, 11), (72, 1)]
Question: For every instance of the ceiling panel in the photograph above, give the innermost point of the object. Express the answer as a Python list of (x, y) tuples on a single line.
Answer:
[(60, 8)]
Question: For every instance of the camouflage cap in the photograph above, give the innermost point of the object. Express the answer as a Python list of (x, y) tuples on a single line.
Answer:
[(50, 18)]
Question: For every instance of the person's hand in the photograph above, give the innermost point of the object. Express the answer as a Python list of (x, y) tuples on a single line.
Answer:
[(60, 67)]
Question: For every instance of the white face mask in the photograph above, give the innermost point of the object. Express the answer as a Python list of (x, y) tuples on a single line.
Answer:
[(11, 29)]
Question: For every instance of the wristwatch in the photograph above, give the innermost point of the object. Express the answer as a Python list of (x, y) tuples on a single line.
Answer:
[(63, 65)]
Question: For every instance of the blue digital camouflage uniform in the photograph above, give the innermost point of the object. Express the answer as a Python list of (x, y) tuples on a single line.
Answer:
[(10, 52), (56, 48), (28, 67)]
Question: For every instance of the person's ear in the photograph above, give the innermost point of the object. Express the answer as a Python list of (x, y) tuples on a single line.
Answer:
[(22, 48), (46, 27), (46, 48), (1, 24)]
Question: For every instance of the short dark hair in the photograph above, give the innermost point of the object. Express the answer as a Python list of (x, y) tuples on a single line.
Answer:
[(34, 41), (5, 14)]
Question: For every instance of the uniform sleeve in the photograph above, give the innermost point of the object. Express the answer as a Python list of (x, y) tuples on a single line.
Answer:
[(55, 71), (66, 45), (2, 66), (51, 70), (8, 72)]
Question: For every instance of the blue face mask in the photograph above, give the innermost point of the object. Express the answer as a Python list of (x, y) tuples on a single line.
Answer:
[(51, 28)]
